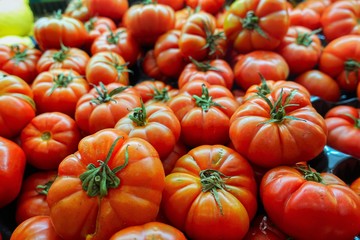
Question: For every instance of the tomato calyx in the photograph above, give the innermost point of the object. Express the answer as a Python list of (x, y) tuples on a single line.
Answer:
[(203, 66), (139, 115), (62, 54), (212, 180), (351, 65), (45, 136), (211, 39), (120, 68), (113, 38), (263, 88), (251, 21), (58, 14), (305, 38), (90, 24), (61, 81), (160, 95), (97, 180), (19, 55), (356, 120), (205, 100), (44, 189), (147, 2), (309, 174), (105, 96)]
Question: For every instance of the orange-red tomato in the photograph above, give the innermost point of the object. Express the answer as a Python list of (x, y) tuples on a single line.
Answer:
[(78, 9), (210, 6), (174, 4), (308, 14), (181, 16), (262, 228), (155, 91), (114, 9), (150, 67), (355, 185)]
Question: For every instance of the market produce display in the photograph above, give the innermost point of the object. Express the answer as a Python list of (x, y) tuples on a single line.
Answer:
[(180, 119)]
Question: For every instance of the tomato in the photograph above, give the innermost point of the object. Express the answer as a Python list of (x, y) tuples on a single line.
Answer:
[(174, 4), (275, 130), (19, 60), (17, 106), (155, 91), (220, 16), (51, 32), (298, 198), (95, 26), (65, 58), (181, 16), (340, 19), (270, 64), (215, 72), (49, 138), (301, 48), (168, 56), (107, 67), (169, 162), (355, 185), (108, 181), (119, 41), (148, 21), (58, 90), (308, 14), (200, 39), (12, 166), (155, 123), (249, 24), (104, 106), (78, 9), (263, 229), (204, 112), (212, 186), (343, 123), (32, 198), (316, 81), (150, 67), (115, 9), (210, 6), (340, 59), (38, 227)]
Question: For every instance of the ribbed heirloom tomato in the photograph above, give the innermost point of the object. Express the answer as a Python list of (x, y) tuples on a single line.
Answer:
[(155, 91), (112, 182)]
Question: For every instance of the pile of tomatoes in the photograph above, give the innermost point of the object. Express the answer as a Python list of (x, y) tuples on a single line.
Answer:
[(181, 119)]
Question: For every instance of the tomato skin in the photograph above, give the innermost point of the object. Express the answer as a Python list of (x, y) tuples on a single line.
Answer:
[(169, 162), (150, 67), (92, 117), (78, 9), (250, 130), (151, 230), (270, 13), (296, 205), (65, 95), (355, 185), (32, 201), (76, 215), (340, 19), (12, 166), (296, 50), (51, 31), (344, 132), (174, 4), (95, 26), (181, 16), (203, 126), (316, 81), (17, 106), (19, 60), (107, 67), (215, 72), (270, 64), (115, 9), (263, 229), (147, 22), (148, 88), (209, 6), (196, 212), (119, 41), (71, 58), (38, 227), (336, 55), (307, 14), (48, 139)]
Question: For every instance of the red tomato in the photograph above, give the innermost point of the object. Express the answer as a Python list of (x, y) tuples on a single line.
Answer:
[(155, 123), (204, 112), (51, 32), (12, 166), (276, 129), (20, 61), (49, 138), (301, 48), (340, 59), (147, 22), (95, 26), (340, 19), (155, 91), (174, 4), (100, 188), (150, 230), (181, 16), (269, 64), (210, 6), (17, 106), (32, 198), (65, 58), (114, 9), (150, 67), (316, 81), (38, 227), (343, 123), (119, 41), (104, 106), (78, 9), (215, 72), (58, 90), (297, 199), (355, 185), (169, 162), (263, 229), (308, 14), (107, 67), (212, 186), (250, 24)]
